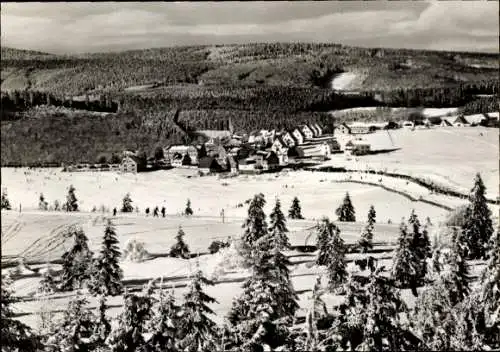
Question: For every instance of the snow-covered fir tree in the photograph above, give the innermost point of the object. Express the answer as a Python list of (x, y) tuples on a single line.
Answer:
[(5, 203), (71, 203), (106, 272), (372, 215), (77, 261), (73, 332), (42, 203), (277, 229), (255, 225), (127, 206), (180, 249), (406, 264), (264, 311), (457, 274), (331, 252), (188, 211), (490, 289), (477, 225), (15, 336), (128, 334), (365, 243), (164, 324), (295, 211), (198, 331), (312, 339), (346, 210), (420, 243), (102, 326)]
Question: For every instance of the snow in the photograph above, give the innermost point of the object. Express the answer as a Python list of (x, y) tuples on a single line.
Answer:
[(437, 112), (343, 80)]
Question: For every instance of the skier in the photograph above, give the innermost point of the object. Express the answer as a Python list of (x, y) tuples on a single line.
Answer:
[(155, 212), (147, 211), (163, 211), (114, 211)]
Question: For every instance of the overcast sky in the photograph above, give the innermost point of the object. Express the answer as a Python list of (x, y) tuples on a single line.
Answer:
[(91, 27)]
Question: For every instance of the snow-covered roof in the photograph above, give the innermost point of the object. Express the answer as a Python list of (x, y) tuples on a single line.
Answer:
[(474, 119)]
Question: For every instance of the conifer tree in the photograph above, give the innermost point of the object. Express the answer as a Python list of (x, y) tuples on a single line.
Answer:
[(127, 204), (198, 331), (331, 252), (71, 201), (346, 211), (295, 211), (255, 225), (188, 211), (164, 324), (77, 261), (128, 336), (42, 204), (421, 245), (313, 340), (4, 203), (372, 215), (15, 336), (458, 274), (277, 229), (406, 264), (73, 332), (102, 327), (477, 226), (180, 249), (264, 311), (365, 243), (107, 274), (490, 285)]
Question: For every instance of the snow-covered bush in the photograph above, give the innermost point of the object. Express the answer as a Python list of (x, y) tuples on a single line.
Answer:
[(135, 252), (228, 259)]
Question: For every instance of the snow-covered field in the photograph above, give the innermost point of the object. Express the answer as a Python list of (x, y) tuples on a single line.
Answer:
[(343, 80), (448, 155)]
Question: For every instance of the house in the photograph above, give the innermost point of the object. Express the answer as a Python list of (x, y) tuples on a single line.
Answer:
[(299, 136), (282, 157), (130, 163), (307, 131), (289, 139), (459, 121), (316, 129), (270, 161), (427, 123), (183, 150), (344, 129), (247, 165), (408, 124), (476, 119), (360, 128), (209, 165), (445, 123), (357, 147), (278, 145)]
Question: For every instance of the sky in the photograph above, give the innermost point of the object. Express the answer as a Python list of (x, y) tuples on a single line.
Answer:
[(112, 26)]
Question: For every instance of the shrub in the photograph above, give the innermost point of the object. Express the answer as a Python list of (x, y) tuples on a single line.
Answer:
[(217, 245), (135, 252)]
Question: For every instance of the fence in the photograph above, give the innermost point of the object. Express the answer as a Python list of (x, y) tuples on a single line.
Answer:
[(419, 181)]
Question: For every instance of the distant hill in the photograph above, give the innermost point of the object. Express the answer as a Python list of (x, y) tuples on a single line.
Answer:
[(271, 85)]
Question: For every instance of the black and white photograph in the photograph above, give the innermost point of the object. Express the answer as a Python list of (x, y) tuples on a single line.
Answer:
[(251, 176)]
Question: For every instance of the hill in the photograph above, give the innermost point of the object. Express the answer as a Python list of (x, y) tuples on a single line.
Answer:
[(257, 85)]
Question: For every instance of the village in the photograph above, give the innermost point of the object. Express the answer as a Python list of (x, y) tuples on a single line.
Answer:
[(264, 151)]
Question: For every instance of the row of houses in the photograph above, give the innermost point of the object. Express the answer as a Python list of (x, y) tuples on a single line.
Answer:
[(262, 151), (490, 119)]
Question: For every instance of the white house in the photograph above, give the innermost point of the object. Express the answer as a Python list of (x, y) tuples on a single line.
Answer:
[(278, 145), (307, 132), (288, 139), (459, 121), (343, 129), (183, 150), (318, 128), (299, 136)]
